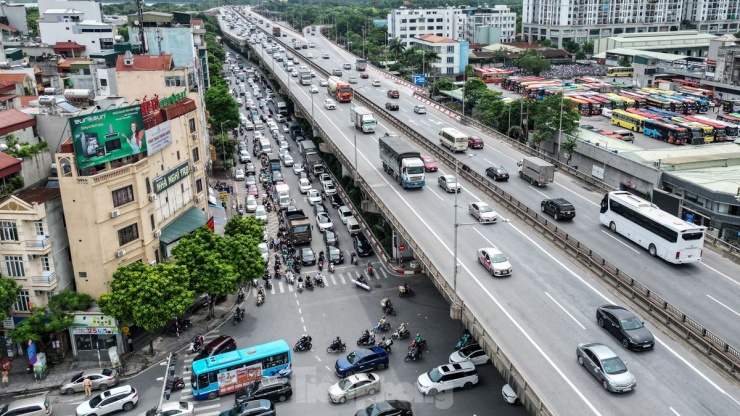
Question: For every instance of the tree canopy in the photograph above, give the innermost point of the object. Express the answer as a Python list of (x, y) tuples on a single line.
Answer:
[(222, 108), (206, 259), (530, 60), (9, 291)]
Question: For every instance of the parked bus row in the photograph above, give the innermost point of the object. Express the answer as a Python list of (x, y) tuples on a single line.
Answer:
[(677, 128)]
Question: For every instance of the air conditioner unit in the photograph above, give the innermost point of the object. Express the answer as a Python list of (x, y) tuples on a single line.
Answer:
[(121, 253), (157, 233), (152, 197), (194, 136), (153, 263), (115, 213), (195, 168), (200, 199)]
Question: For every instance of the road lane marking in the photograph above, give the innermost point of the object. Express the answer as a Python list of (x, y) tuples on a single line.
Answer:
[(619, 241), (341, 276), (727, 307), (564, 310), (537, 190), (577, 194), (674, 411), (721, 274)]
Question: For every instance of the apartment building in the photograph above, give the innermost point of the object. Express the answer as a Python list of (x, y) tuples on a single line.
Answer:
[(473, 20), (453, 55), (136, 181), (75, 28)]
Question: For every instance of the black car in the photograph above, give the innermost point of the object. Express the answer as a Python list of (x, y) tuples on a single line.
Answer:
[(308, 258), (362, 246), (277, 176), (559, 208), (318, 208), (625, 326), (253, 408), (336, 201), (330, 238), (335, 255), (275, 389), (387, 408), (498, 173), (391, 107)]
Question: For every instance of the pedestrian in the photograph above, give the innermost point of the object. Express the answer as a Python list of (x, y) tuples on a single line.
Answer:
[(130, 345), (6, 381), (87, 384)]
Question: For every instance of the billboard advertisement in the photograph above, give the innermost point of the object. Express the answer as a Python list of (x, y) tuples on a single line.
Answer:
[(233, 380), (158, 137), (107, 135)]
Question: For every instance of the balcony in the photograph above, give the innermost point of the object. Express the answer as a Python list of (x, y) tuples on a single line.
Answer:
[(40, 244), (45, 281)]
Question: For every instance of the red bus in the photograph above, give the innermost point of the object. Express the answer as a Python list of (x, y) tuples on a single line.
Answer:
[(583, 106), (720, 134), (686, 83), (643, 113), (490, 75)]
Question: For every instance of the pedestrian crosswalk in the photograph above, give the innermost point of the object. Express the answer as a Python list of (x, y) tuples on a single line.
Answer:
[(202, 407), (330, 279)]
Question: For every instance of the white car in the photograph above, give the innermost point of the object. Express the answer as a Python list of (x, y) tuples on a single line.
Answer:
[(330, 104), (287, 160), (323, 222), (176, 409), (311, 45), (448, 377), (261, 213), (313, 89), (109, 401), (297, 168), (314, 197), (329, 189), (294, 74), (494, 261), (324, 178), (344, 213), (286, 129), (251, 203), (471, 352), (325, 56), (239, 176), (264, 251), (482, 212), (283, 144), (376, 83), (323, 83), (304, 185)]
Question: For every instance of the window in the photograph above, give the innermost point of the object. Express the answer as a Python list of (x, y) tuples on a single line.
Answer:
[(151, 220), (191, 125), (8, 231), (45, 263), (106, 43), (199, 186), (103, 82), (196, 155), (14, 266), (23, 303), (174, 81), (38, 227), (450, 59), (123, 196), (450, 49), (128, 234), (148, 186)]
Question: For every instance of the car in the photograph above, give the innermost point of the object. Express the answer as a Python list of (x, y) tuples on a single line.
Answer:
[(471, 352), (283, 144), (250, 180), (361, 360), (393, 94), (330, 238), (448, 377), (625, 327), (251, 203), (252, 190), (101, 378), (482, 212), (606, 367), (277, 176), (330, 104), (109, 401), (313, 74), (337, 72), (352, 80), (334, 254), (391, 106), (344, 213), (387, 408), (36, 405), (364, 75), (449, 183), (314, 197), (354, 386), (260, 213), (304, 185), (494, 261), (323, 83), (323, 222), (297, 168), (420, 109), (313, 89), (498, 173), (244, 156), (335, 201), (250, 169), (475, 142), (311, 45), (287, 160), (329, 189), (280, 118), (304, 175), (176, 409), (239, 175), (324, 178), (559, 208), (361, 245), (325, 56), (430, 165), (286, 129), (264, 251), (318, 208), (376, 83), (275, 389), (294, 74), (346, 65), (252, 408), (308, 258)]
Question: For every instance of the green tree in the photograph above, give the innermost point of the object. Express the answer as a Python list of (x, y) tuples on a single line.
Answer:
[(249, 226), (530, 60), (469, 71), (489, 108), (546, 115), (443, 84), (245, 256), (222, 109), (123, 32), (571, 46), (32, 20), (545, 43), (623, 61), (207, 259), (474, 89), (224, 145), (569, 145), (70, 300), (429, 57), (580, 55), (9, 291), (147, 296), (588, 47)]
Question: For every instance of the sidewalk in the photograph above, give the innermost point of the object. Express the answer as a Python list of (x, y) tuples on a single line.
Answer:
[(22, 382)]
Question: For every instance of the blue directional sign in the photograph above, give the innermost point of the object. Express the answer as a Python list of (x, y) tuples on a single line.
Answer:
[(419, 79)]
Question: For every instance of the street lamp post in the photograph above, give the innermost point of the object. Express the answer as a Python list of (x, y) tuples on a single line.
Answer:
[(457, 225)]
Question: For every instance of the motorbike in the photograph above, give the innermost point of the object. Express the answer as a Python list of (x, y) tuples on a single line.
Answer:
[(196, 344), (321, 265), (385, 344), (369, 269), (336, 346), (300, 287), (175, 383), (331, 267), (414, 354), (382, 325), (240, 209), (387, 307), (401, 332), (303, 344), (319, 281), (289, 278), (353, 259), (466, 339), (405, 291), (260, 297), (367, 338), (309, 284), (268, 284), (240, 296), (238, 315), (361, 282), (422, 344)]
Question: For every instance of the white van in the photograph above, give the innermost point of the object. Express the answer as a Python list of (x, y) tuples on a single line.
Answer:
[(606, 112), (265, 145), (353, 226)]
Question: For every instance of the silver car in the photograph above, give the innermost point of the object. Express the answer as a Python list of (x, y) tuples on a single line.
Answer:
[(101, 378), (354, 386), (482, 212), (606, 366)]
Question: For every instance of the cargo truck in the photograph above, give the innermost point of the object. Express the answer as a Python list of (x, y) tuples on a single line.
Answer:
[(536, 171), (314, 164), (402, 161), (363, 119), (360, 64), (299, 227), (276, 31), (339, 90), (305, 76)]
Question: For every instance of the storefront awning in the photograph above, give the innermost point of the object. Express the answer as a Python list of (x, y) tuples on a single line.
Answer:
[(189, 221)]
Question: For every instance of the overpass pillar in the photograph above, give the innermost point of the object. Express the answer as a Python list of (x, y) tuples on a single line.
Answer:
[(368, 205)]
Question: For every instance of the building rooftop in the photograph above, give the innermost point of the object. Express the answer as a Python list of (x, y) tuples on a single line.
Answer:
[(436, 39), (11, 79), (26, 99), (669, 57), (8, 28), (14, 120), (688, 157), (725, 179), (61, 11), (145, 63), (8, 165), (39, 194)]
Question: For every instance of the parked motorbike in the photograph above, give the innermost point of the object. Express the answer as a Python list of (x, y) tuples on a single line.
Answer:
[(466, 339), (405, 291), (175, 383), (387, 307), (385, 344), (366, 339), (196, 344), (401, 332), (238, 315), (414, 354), (382, 325), (303, 344), (336, 346)]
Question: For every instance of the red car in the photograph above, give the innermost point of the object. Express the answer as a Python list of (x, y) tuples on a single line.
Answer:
[(364, 75), (475, 142), (430, 165), (253, 191), (393, 94)]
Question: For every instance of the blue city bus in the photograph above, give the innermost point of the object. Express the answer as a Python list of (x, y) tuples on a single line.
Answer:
[(229, 372)]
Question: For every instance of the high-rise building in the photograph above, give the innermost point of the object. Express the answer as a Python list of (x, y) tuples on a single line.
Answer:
[(586, 20), (452, 54)]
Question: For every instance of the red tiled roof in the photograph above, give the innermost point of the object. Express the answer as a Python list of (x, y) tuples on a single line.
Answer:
[(8, 165), (12, 79), (26, 100), (13, 120), (8, 28), (7, 97), (145, 63), (436, 39), (197, 22), (68, 46), (523, 45)]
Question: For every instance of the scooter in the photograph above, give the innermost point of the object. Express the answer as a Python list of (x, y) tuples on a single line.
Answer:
[(175, 383), (422, 345), (369, 269), (240, 296), (336, 346), (303, 344), (321, 265), (401, 332), (331, 267), (361, 282), (414, 354), (405, 291), (238, 316), (466, 339), (387, 307), (382, 325), (319, 281), (196, 344), (289, 278), (385, 344), (366, 339)]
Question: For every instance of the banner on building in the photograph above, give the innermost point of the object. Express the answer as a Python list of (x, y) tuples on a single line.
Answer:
[(158, 137), (170, 178), (104, 136)]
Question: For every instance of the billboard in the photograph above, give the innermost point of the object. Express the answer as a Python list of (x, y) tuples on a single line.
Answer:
[(107, 135), (233, 380), (158, 137)]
